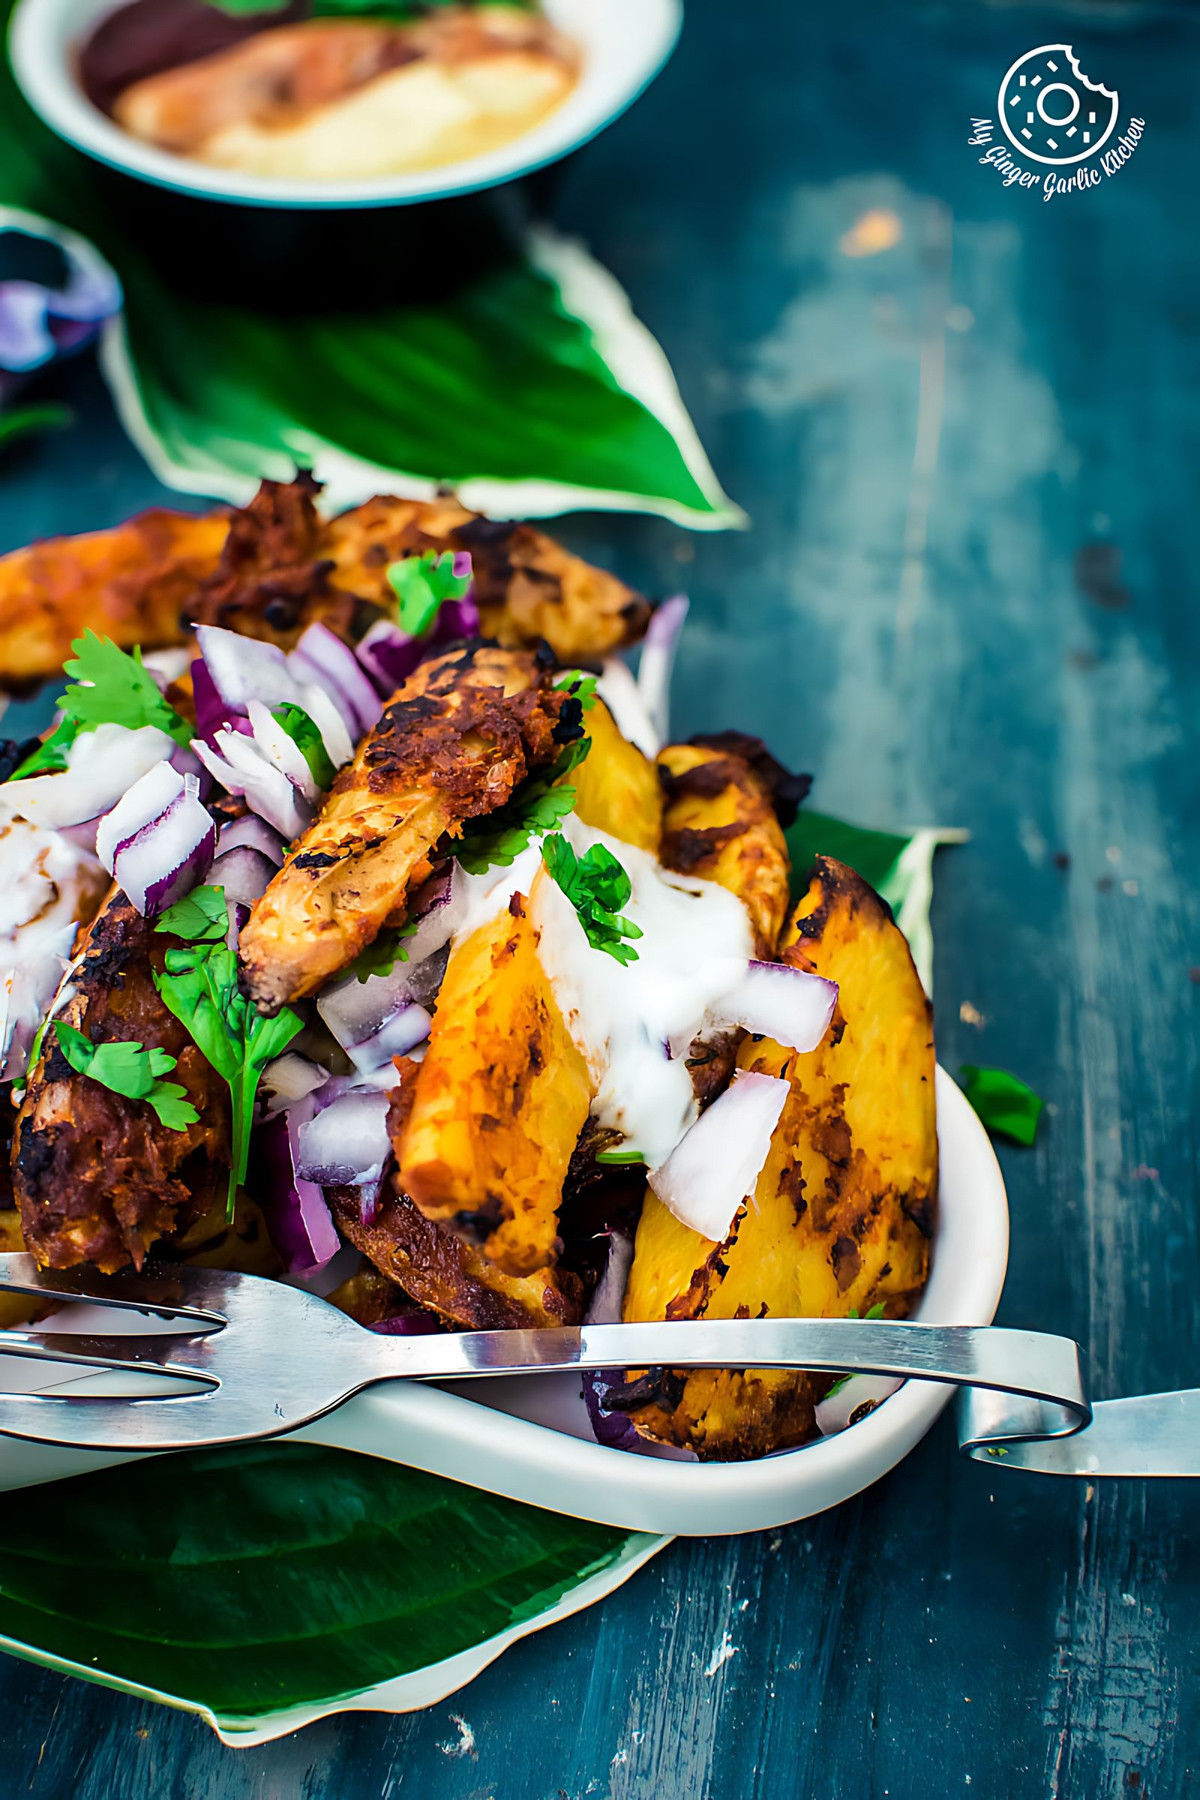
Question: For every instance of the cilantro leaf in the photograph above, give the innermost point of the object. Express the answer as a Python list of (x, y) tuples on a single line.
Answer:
[(618, 1159), (535, 806), (423, 583), (114, 688), (383, 953), (597, 887), (306, 736), (50, 755), (581, 687), (1004, 1103), (199, 985), (127, 1069)]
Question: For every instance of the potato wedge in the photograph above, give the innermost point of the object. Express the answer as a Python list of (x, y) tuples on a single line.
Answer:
[(499, 1101), (845, 1206), (451, 745), (132, 585), (719, 822), (616, 787)]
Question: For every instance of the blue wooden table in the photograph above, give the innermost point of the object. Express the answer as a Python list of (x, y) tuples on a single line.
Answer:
[(971, 461)]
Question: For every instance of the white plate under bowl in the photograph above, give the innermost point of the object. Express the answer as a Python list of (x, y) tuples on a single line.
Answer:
[(623, 45), (528, 1437)]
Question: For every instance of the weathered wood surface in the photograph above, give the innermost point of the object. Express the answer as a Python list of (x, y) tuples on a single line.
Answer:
[(971, 460)]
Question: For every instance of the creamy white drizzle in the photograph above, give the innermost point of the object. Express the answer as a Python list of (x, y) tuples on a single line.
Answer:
[(45, 880), (695, 946)]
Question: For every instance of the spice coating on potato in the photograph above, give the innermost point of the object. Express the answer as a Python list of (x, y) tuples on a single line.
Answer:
[(616, 787), (499, 1101), (843, 1211), (719, 822), (131, 584), (451, 745)]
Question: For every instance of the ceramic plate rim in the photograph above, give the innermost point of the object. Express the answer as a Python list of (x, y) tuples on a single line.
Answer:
[(641, 34)]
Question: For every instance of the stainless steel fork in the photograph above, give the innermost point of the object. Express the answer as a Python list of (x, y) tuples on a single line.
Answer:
[(271, 1358)]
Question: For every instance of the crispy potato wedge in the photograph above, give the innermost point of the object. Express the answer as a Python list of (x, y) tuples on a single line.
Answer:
[(132, 584), (845, 1206), (451, 745), (720, 823), (616, 787), (98, 1179), (499, 1101)]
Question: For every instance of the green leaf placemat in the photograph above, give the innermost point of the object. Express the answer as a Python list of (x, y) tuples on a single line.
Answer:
[(899, 866), (531, 390), (266, 1585)]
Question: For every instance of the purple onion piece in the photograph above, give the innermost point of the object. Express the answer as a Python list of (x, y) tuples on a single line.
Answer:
[(389, 655), (297, 1216), (775, 1000), (212, 714), (415, 1324), (457, 619), (252, 833), (245, 874), (167, 858), (346, 1142), (613, 1429), (244, 669), (147, 800), (321, 656), (658, 659), (717, 1162)]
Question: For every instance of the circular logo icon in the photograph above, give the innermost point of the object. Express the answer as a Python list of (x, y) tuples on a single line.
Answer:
[(1050, 111)]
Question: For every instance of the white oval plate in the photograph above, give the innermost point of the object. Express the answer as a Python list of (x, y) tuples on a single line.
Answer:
[(528, 1437), (624, 44)]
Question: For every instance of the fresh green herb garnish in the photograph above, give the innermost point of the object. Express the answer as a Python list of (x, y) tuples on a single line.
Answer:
[(422, 584), (308, 740), (997, 1450), (128, 1069), (534, 807), (597, 887), (874, 1312), (581, 687), (200, 986), (110, 687), (1004, 1103), (618, 1159), (383, 953)]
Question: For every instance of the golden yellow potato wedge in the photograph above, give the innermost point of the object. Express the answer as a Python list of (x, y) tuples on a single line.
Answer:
[(844, 1209), (451, 745), (616, 787), (499, 1101)]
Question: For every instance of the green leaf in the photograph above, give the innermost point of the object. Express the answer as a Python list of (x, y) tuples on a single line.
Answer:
[(536, 805), (529, 388), (199, 984), (128, 1069), (1003, 1101), (246, 9), (597, 886), (112, 687), (21, 421), (581, 687), (243, 1582), (51, 754), (618, 1159), (422, 585), (381, 956), (899, 866), (308, 740)]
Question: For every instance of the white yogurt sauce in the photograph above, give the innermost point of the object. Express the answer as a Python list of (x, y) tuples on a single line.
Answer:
[(695, 946)]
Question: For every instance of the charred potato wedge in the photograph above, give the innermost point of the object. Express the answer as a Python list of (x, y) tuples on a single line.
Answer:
[(132, 584), (844, 1209), (451, 745), (96, 1176), (498, 1102), (616, 787), (720, 822)]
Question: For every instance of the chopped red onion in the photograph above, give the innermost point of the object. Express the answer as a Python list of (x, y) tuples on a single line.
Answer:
[(145, 801), (101, 766), (658, 659), (297, 1216), (397, 1037), (389, 655), (413, 1324), (714, 1166), (212, 713), (245, 874), (290, 1078), (170, 855), (457, 618), (609, 1297), (774, 1000), (184, 761), (615, 1429), (347, 1141), (254, 834), (620, 693), (282, 750), (321, 656), (240, 766), (244, 669), (439, 907)]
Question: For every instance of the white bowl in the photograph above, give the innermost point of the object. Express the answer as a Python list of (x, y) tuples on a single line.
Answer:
[(529, 1438), (624, 43)]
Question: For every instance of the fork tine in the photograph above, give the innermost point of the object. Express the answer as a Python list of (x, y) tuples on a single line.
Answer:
[(164, 1288), (92, 1422), (132, 1353)]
